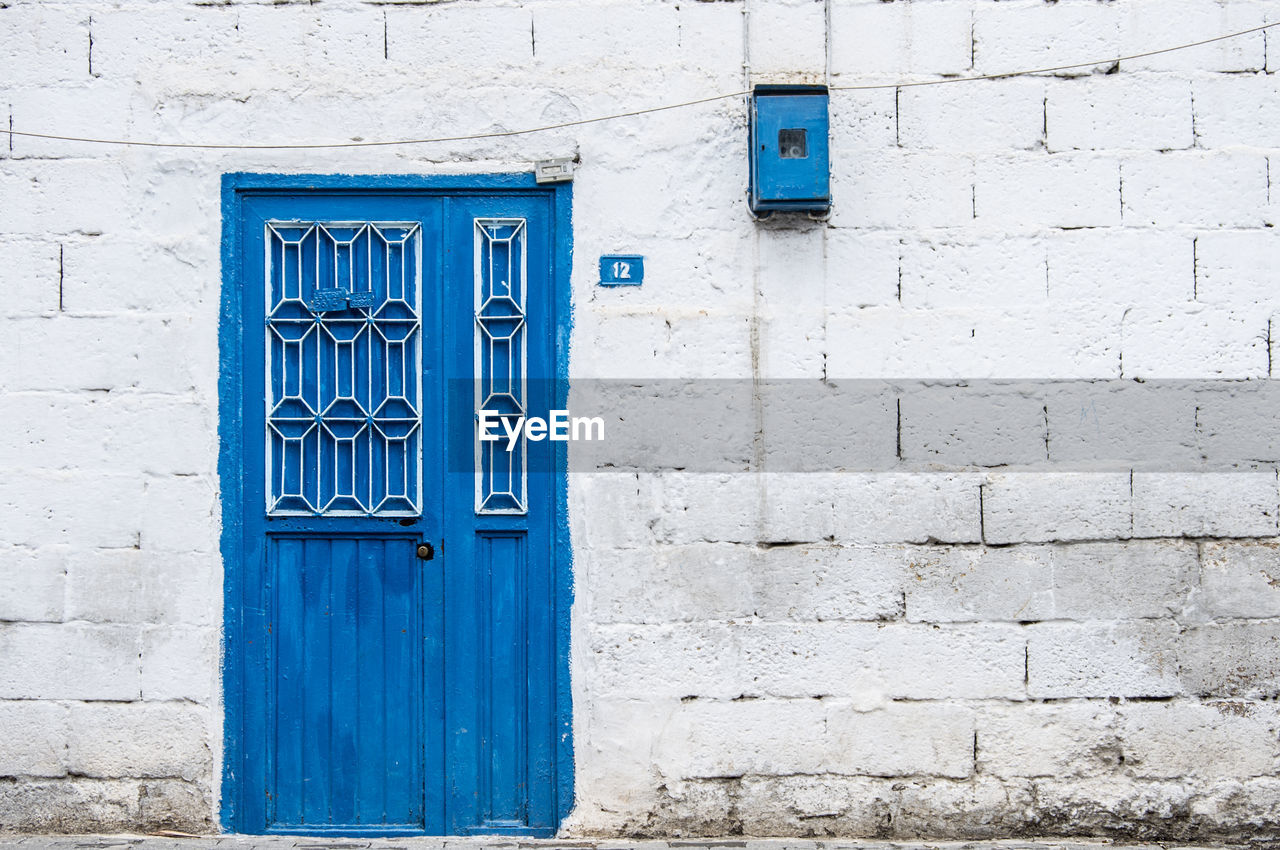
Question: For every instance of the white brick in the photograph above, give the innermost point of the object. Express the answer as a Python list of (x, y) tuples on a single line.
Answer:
[(110, 353), (29, 276), (1204, 504), (979, 584), (637, 347), (1237, 270), (1146, 26), (133, 43), (179, 663), (490, 38), (1120, 266), (961, 425), (862, 120), (1032, 739), (611, 509), (32, 583), (819, 426), (1232, 660), (1194, 341), (104, 431), (745, 508), (81, 508), (1179, 740), (1116, 112), (1017, 36), (573, 35), (1011, 272), (1240, 579), (181, 515), (72, 661), (967, 344), (901, 739), (791, 268), (896, 39), (44, 198), (1134, 659), (902, 189), (44, 44), (1237, 111), (1101, 581), (1034, 507), (616, 740), (719, 738), (140, 739), (791, 282), (1195, 189), (957, 662), (712, 581), (335, 46), (96, 108), (1000, 115), (871, 662), (675, 661), (907, 508), (1089, 581), (787, 37), (34, 740), (711, 40), (625, 346), (140, 586), (1060, 190), (826, 582), (633, 202), (862, 269), (114, 276), (791, 344)]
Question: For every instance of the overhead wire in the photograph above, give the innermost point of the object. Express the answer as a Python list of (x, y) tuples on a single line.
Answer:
[(500, 134)]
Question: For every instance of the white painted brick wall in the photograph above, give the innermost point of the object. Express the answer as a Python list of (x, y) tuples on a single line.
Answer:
[(1119, 113), (1126, 659), (973, 642), (1240, 580)]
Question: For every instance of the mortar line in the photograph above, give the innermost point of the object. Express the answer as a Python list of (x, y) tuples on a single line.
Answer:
[(1195, 268), (982, 513)]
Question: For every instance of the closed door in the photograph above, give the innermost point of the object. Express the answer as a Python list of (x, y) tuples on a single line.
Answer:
[(392, 602)]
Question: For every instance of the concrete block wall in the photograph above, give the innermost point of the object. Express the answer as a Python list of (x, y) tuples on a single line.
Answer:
[(962, 650)]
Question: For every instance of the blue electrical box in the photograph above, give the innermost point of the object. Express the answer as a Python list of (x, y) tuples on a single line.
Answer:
[(790, 166)]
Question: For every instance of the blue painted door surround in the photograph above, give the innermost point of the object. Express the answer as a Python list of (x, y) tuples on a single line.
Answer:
[(368, 690)]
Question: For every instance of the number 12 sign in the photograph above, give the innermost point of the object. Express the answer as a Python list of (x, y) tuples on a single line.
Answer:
[(621, 270)]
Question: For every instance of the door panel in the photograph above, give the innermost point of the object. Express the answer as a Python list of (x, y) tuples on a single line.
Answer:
[(370, 691), (347, 680), (500, 700)]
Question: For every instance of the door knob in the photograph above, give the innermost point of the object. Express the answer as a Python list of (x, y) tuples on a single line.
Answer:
[(426, 551)]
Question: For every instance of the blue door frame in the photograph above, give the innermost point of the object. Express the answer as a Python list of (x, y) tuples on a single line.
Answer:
[(457, 773)]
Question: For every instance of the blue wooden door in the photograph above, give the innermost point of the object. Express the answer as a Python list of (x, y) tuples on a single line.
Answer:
[(395, 662)]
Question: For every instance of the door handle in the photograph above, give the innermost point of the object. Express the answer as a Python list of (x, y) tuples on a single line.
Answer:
[(426, 551)]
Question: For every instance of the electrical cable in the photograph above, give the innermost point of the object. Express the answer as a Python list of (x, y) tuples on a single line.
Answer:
[(500, 134)]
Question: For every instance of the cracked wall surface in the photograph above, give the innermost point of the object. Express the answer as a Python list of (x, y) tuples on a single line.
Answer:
[(956, 643)]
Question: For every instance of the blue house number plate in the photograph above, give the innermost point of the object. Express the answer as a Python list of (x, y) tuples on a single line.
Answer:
[(621, 270)]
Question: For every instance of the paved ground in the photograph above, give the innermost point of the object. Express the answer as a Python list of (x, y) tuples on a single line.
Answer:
[(254, 842)]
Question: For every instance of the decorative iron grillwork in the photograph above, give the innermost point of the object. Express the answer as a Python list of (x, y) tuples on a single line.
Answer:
[(500, 275), (344, 435)]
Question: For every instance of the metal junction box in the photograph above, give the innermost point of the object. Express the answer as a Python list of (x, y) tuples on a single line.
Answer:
[(790, 167)]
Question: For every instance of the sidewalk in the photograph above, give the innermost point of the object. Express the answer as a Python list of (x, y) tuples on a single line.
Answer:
[(294, 842)]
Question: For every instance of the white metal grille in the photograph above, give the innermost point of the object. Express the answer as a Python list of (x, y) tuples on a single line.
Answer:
[(344, 435), (500, 275)]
